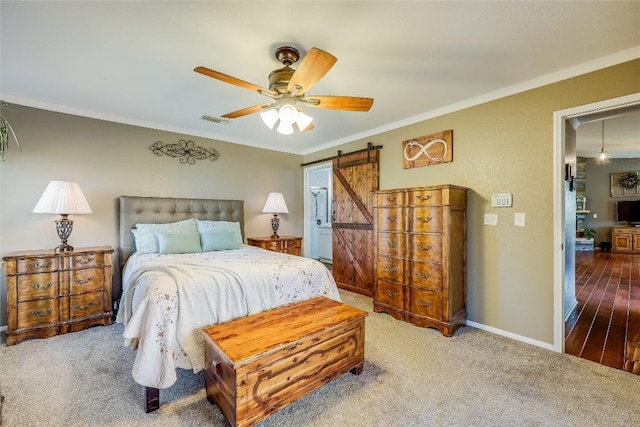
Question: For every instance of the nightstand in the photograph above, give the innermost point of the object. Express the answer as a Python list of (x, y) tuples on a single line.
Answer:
[(51, 293), (284, 244)]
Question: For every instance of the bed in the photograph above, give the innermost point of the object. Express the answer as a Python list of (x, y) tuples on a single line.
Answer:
[(171, 290)]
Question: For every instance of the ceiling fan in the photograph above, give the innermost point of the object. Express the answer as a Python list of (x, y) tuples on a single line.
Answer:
[(288, 90)]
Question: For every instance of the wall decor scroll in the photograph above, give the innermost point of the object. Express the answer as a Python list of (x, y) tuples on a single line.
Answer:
[(428, 150), (185, 151), (625, 184)]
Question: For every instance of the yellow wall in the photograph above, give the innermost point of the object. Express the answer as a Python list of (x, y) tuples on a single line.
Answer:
[(503, 146)]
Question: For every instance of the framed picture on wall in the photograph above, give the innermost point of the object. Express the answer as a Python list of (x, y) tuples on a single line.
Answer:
[(625, 184)]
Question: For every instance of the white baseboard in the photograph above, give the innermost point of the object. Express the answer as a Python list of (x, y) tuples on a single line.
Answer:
[(511, 335), (3, 328)]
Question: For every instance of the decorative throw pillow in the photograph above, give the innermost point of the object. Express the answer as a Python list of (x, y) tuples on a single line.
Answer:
[(178, 243), (145, 234), (212, 226), (219, 241)]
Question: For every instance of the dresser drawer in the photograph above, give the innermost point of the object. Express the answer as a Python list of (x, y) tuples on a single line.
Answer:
[(426, 219), (37, 313), (425, 198), (86, 280), (390, 293), (390, 199), (86, 305), (37, 265), (390, 268), (390, 219), (391, 244), (426, 275), (37, 286), (426, 303), (426, 247), (86, 260)]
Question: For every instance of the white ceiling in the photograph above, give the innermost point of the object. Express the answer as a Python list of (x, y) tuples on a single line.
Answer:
[(132, 62)]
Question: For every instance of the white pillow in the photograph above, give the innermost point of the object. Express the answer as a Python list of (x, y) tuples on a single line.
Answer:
[(145, 234), (213, 226)]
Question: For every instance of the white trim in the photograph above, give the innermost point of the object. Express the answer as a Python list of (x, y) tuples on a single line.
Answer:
[(559, 120), (307, 171), (3, 328), (510, 335)]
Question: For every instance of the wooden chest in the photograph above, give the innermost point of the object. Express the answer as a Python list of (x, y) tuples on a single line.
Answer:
[(257, 365)]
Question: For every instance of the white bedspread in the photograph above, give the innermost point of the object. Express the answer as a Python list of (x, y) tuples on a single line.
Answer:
[(167, 299)]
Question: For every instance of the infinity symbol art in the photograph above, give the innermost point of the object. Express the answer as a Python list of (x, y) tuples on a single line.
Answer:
[(423, 150)]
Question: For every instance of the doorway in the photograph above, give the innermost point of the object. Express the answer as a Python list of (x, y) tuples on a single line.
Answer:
[(564, 207), (318, 188)]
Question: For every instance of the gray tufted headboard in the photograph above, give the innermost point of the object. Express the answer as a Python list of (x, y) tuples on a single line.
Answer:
[(160, 210)]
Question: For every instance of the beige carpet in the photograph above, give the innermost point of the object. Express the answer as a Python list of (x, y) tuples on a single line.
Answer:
[(412, 377)]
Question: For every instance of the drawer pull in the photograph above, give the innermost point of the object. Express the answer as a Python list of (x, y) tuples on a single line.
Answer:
[(215, 366), (89, 261), (42, 313), (424, 304), (425, 248), (391, 199), (83, 282), (391, 219), (38, 265), (391, 294), (427, 219), (420, 197), (79, 307), (37, 286), (391, 269), (421, 275), (392, 244)]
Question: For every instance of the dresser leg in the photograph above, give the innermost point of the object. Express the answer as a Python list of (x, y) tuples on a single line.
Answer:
[(152, 399)]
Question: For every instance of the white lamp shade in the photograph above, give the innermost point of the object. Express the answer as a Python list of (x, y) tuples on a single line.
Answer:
[(62, 197), (303, 121), (275, 204), (269, 117), (285, 128), (288, 114)]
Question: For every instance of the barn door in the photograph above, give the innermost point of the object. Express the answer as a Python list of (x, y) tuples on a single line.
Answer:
[(355, 176)]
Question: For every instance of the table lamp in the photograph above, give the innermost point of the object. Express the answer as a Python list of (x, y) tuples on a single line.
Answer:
[(275, 204)]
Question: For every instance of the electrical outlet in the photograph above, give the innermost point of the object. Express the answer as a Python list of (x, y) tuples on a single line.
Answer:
[(490, 219)]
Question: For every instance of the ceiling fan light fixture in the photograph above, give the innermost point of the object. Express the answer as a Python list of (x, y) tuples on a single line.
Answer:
[(285, 128), (288, 114), (270, 117), (303, 121)]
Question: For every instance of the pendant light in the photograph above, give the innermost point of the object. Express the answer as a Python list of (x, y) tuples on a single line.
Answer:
[(603, 156)]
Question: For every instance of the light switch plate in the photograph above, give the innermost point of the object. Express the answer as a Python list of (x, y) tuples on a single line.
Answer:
[(519, 220), (490, 219)]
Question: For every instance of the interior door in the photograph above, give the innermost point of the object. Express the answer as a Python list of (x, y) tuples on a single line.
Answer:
[(355, 176)]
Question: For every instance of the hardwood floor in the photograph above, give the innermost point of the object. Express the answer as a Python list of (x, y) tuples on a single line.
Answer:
[(608, 293)]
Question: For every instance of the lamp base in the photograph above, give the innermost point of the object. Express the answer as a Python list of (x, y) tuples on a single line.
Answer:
[(275, 223), (64, 226)]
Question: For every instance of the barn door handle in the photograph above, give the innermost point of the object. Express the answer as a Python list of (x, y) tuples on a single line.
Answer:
[(420, 197), (425, 248), (424, 304)]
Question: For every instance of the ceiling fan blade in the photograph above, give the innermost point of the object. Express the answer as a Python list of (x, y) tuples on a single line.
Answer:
[(314, 65), (307, 129), (246, 111), (234, 81), (345, 103)]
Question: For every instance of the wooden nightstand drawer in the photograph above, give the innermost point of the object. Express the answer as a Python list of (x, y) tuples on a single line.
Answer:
[(85, 305), (88, 280), (38, 286), (426, 197), (37, 265), (37, 313), (86, 260)]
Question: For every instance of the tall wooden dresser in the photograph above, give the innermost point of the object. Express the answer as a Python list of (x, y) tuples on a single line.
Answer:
[(51, 293), (420, 255)]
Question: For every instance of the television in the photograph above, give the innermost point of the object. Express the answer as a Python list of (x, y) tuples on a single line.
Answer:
[(628, 211)]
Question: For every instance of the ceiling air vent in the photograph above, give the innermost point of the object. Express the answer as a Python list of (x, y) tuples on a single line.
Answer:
[(214, 119)]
